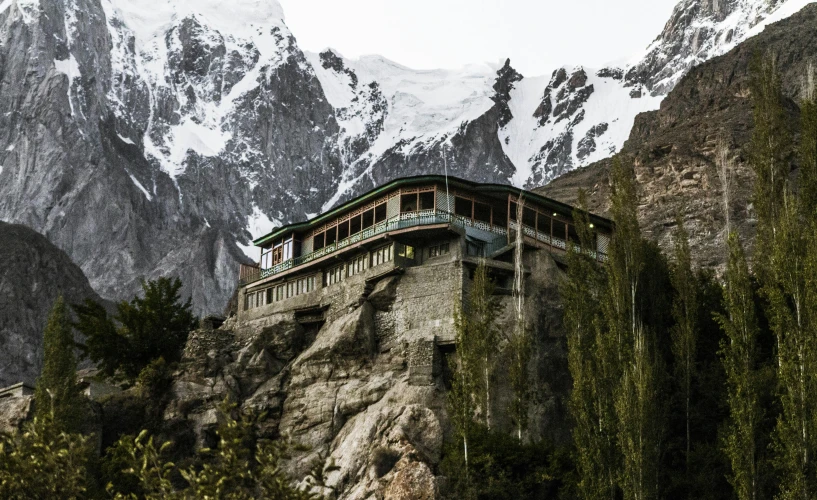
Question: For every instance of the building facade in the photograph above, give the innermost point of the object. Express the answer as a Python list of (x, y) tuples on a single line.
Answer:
[(406, 223)]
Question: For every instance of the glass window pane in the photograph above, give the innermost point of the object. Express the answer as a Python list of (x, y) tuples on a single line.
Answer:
[(368, 219), (318, 241), (528, 217), (354, 225), (543, 223), (462, 207), (408, 202), (482, 212), (427, 200), (343, 230), (331, 235), (380, 213)]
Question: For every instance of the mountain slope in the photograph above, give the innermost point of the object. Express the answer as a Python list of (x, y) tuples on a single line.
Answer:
[(33, 272), (675, 149)]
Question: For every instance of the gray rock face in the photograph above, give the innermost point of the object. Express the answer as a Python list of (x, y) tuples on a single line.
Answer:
[(33, 273)]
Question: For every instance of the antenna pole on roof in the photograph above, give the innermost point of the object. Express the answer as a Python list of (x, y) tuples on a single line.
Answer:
[(447, 198)]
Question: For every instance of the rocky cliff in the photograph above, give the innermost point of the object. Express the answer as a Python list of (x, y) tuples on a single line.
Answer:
[(149, 140), (675, 149), (368, 380), (33, 272)]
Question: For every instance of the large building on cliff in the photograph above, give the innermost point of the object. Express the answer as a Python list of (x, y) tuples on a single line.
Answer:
[(430, 230)]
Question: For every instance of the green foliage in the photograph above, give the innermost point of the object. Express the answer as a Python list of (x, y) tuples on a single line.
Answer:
[(769, 149), (58, 396), (635, 396), (150, 327), (739, 354), (503, 468), (42, 461), (685, 333), (476, 339), (591, 399), (236, 469)]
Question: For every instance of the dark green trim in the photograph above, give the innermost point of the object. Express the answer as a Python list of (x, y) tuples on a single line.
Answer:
[(487, 189)]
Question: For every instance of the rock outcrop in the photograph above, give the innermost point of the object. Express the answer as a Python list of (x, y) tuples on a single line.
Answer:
[(365, 392)]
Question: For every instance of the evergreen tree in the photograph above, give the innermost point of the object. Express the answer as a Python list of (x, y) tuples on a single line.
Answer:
[(57, 395), (150, 327), (739, 355), (685, 333), (591, 398), (636, 398), (807, 180)]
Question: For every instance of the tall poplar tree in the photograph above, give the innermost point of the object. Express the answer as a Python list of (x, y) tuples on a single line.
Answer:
[(635, 398), (768, 150), (57, 394), (591, 398), (792, 313), (520, 341), (685, 333), (739, 355)]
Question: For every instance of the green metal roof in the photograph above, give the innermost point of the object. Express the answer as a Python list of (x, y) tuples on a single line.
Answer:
[(485, 189)]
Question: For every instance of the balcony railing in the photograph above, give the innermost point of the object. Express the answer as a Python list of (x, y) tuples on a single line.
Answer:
[(404, 221), (407, 220)]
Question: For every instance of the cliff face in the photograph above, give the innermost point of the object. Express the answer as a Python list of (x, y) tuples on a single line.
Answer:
[(675, 149), (371, 378), (33, 272)]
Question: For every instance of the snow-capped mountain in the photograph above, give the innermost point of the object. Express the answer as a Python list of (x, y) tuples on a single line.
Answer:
[(149, 138)]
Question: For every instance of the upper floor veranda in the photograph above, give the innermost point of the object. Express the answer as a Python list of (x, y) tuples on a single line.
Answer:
[(485, 214)]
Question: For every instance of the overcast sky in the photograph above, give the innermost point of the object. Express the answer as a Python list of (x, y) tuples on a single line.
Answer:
[(536, 35)]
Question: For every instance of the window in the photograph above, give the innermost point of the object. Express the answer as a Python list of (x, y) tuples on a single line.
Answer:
[(269, 295), (266, 258), (334, 275), (437, 250), (382, 255), (343, 230), (290, 289), (408, 203), (405, 251), (543, 224), (500, 218), (558, 229), (279, 293), (427, 200), (354, 225), (331, 235), (288, 250), (482, 212), (278, 253), (318, 241), (304, 285), (357, 265), (259, 299), (368, 219), (462, 207), (380, 213), (247, 304), (528, 217)]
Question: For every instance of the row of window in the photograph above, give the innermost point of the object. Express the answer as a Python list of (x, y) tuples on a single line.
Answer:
[(359, 264), (279, 292), (437, 250)]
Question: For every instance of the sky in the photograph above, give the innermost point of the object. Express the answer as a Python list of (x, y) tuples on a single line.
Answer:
[(538, 36)]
